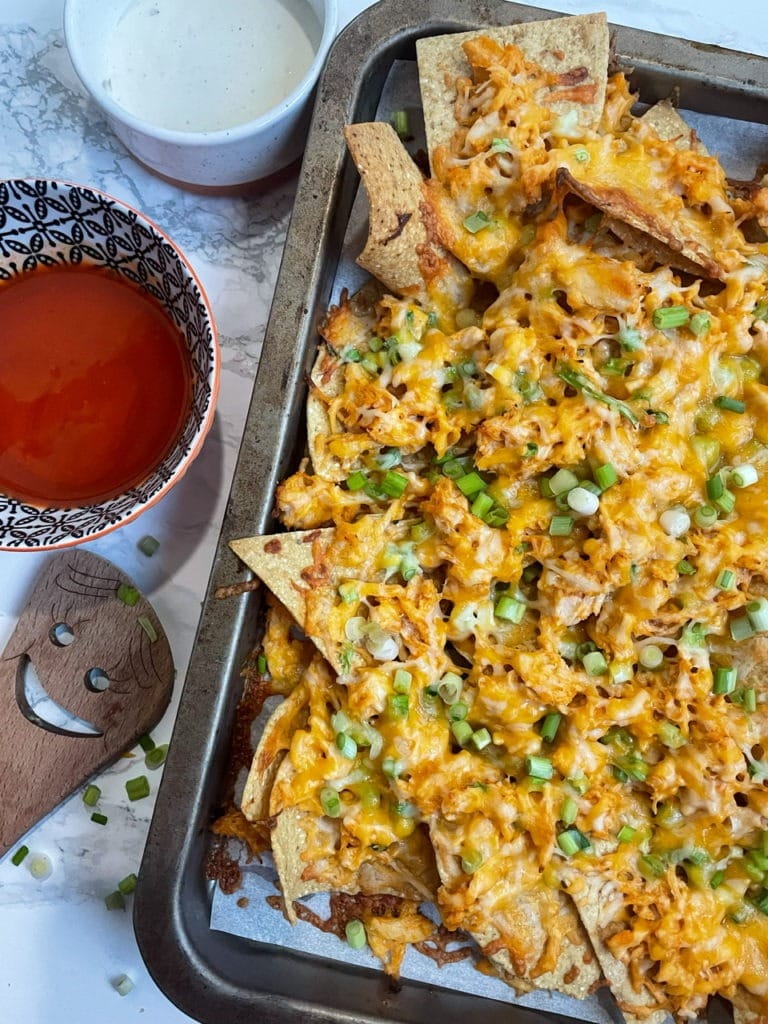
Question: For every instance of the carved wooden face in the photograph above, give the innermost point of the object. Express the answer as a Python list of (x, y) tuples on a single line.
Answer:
[(97, 657)]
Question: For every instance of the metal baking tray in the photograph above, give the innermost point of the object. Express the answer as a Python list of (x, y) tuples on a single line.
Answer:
[(211, 975)]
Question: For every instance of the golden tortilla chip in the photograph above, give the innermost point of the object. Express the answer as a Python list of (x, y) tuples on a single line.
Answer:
[(574, 48), (667, 123)]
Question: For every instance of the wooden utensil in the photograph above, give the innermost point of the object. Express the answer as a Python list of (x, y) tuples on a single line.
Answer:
[(101, 657)]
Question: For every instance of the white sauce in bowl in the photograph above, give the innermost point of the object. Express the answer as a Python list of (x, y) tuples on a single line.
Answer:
[(208, 65)]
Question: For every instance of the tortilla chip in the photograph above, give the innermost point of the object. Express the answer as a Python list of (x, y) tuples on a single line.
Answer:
[(665, 121), (291, 714), (576, 48), (642, 229), (400, 251), (280, 560), (288, 841)]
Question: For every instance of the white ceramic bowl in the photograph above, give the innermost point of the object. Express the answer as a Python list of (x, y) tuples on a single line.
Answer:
[(45, 223), (214, 159)]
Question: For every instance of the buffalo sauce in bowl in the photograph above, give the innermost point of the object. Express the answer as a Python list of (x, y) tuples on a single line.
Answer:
[(95, 385)]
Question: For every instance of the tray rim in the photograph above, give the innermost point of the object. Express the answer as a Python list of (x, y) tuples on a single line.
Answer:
[(172, 867)]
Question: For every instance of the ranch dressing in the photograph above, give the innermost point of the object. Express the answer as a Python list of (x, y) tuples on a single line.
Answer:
[(208, 65)]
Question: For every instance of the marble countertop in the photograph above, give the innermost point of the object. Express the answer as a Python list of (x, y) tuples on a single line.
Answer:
[(59, 946)]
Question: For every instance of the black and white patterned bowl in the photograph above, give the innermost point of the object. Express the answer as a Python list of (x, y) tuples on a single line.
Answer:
[(49, 223)]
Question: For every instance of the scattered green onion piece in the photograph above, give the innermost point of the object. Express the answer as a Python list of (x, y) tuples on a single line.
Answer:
[(345, 745), (458, 712), (356, 481), (539, 767), (675, 522), (91, 795), (583, 501), (715, 486), (19, 856), (577, 380), (560, 526), (671, 736), (726, 580), (123, 985), (759, 859), (579, 784), (509, 609), (128, 595), (651, 656), (398, 705), (127, 885), (400, 123), (481, 738), (409, 566), (652, 866), (595, 663), (705, 516), (497, 516), (471, 861), (147, 743), (531, 449), (606, 476), (749, 700), (261, 665), (388, 458), (462, 731), (394, 484), (563, 481), (743, 476), (571, 841), (402, 681), (726, 502), (615, 367), (137, 788), (392, 767), (757, 611), (115, 901), (717, 879), (330, 801), (148, 628), (667, 317), (154, 758), (581, 154), (700, 323), (549, 726), (470, 484), (626, 834), (629, 338), (501, 146), (668, 817), (350, 355), (148, 545), (741, 628), (760, 312), (450, 686), (482, 505), (685, 568), (477, 221), (99, 819), (724, 679), (730, 404), (569, 811), (348, 593), (354, 931)]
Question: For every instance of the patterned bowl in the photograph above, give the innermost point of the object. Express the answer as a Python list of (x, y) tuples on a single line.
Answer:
[(49, 223)]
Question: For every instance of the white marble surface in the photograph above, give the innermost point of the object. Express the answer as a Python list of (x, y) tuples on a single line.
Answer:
[(59, 947)]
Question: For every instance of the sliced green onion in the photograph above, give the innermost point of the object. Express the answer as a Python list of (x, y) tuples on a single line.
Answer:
[(581, 154), (539, 767), (626, 834), (675, 522), (700, 323), (458, 712), (348, 593), (563, 481), (477, 221), (402, 681), (115, 901), (726, 579), (583, 501), (148, 628), (147, 743), (471, 861), (724, 679), (398, 705), (482, 505), (350, 355), (741, 628), (154, 758), (748, 699), (127, 885), (595, 663), (730, 404), (668, 317), (128, 595), (671, 736), (137, 788), (481, 738), (629, 338), (462, 731), (394, 484), (450, 687), (497, 516), (509, 609), (355, 933), (330, 801), (99, 819), (356, 481), (717, 879), (549, 726), (715, 486), (91, 795), (606, 476), (470, 484), (651, 656), (668, 817), (569, 811), (652, 866), (400, 123), (760, 312), (560, 526), (501, 146), (392, 767), (346, 745), (743, 476), (123, 985), (571, 841), (705, 516), (757, 611), (19, 856), (726, 502), (685, 568), (148, 545), (620, 671), (261, 666), (577, 380), (579, 783), (531, 449)]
